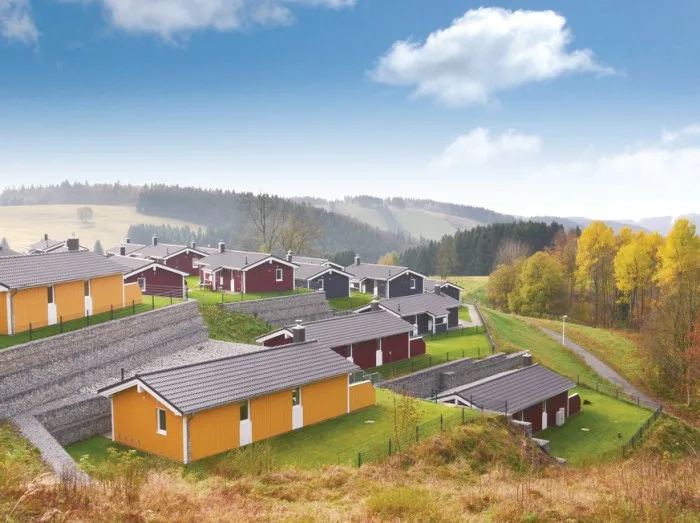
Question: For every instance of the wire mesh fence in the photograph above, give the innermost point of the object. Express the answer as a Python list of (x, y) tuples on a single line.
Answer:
[(638, 436), (609, 389), (404, 367)]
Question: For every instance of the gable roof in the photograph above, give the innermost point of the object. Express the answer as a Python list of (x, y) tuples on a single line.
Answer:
[(4, 253), (375, 271), (306, 272), (429, 285), (132, 265), (162, 251), (352, 328), (239, 260), (206, 385), (309, 260), (435, 304), (128, 248), (521, 388), (45, 245), (18, 272)]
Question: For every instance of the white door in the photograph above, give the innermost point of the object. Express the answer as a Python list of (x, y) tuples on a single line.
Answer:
[(379, 357), (88, 305), (246, 432), (53, 317), (544, 420), (297, 417)]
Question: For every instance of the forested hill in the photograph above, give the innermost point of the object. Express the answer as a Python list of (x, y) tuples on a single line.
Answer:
[(72, 193), (477, 251)]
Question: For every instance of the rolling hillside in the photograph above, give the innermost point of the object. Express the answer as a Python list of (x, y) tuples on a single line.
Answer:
[(23, 225)]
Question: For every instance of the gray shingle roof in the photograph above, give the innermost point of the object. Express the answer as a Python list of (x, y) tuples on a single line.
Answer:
[(131, 264), (429, 285), (43, 245), (17, 272), (129, 248), (435, 304), (232, 259), (308, 260), (521, 388), (8, 252), (159, 251), (355, 328), (206, 385), (305, 271), (374, 271)]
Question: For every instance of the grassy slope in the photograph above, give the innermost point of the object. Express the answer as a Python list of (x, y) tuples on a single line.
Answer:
[(464, 314), (207, 296), (420, 223), (24, 225), (232, 326), (20, 463), (610, 425), (363, 214), (474, 287), (356, 299)]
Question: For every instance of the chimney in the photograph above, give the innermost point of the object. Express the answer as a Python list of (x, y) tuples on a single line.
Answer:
[(73, 244), (438, 290), (122, 251), (46, 237), (127, 240), (289, 256), (374, 305), (222, 247), (194, 245), (154, 240), (527, 359), (299, 332), (357, 259)]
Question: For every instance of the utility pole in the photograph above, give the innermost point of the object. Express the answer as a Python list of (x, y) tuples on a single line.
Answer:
[(563, 329)]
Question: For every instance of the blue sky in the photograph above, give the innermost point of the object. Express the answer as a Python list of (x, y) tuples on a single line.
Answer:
[(590, 109)]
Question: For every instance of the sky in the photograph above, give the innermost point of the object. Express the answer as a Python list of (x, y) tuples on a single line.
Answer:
[(528, 108)]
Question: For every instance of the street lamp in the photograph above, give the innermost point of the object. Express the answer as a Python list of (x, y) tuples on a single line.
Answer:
[(563, 329)]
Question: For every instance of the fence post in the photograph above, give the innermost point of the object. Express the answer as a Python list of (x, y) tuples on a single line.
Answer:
[(30, 331), (463, 354), (153, 302), (412, 366), (171, 297), (462, 416), (389, 446), (440, 422), (416, 433), (133, 306), (111, 312), (359, 459), (87, 318), (430, 361), (478, 352), (637, 401), (60, 319), (578, 380)]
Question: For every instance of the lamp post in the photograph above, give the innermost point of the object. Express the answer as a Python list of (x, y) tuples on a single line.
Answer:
[(563, 329)]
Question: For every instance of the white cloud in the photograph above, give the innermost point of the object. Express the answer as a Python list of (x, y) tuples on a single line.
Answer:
[(668, 136), (486, 51), (478, 147), (16, 21), (172, 18)]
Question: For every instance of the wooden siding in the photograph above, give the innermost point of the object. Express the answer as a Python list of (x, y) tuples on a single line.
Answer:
[(136, 425), (215, 431), (107, 291), (362, 395), (263, 278), (324, 400), (70, 300), (3, 313), (394, 348), (271, 415), (132, 294), (30, 306)]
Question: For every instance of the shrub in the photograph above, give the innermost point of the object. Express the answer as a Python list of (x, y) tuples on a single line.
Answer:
[(403, 503), (252, 460)]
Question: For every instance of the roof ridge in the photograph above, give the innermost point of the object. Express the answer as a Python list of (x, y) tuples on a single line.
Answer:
[(332, 318)]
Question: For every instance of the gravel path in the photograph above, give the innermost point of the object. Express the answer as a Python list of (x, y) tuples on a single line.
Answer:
[(601, 368)]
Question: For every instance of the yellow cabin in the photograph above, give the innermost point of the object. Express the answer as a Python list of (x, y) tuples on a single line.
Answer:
[(191, 412), (45, 289)]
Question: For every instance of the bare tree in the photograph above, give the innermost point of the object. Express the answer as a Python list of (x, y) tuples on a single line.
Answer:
[(85, 214), (268, 214), (300, 232), (510, 250)]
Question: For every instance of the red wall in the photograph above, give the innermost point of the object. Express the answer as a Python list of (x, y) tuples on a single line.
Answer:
[(183, 262), (417, 347), (533, 415), (395, 348), (236, 281), (262, 278), (553, 405), (344, 351), (278, 340), (364, 354), (159, 282), (574, 404)]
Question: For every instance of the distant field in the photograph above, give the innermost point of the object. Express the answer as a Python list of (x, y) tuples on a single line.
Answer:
[(26, 224)]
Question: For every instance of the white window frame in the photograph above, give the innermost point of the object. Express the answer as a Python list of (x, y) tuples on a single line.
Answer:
[(279, 274), (247, 408), (321, 286), (138, 282), (413, 284), (159, 430), (296, 390), (53, 294)]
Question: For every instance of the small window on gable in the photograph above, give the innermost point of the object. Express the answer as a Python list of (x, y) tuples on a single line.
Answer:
[(245, 410), (320, 283), (87, 287), (279, 274), (162, 422), (413, 283), (296, 397), (50, 293), (142, 283)]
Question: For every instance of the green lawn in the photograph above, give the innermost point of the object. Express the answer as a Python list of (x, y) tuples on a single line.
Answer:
[(356, 299), (464, 314), (334, 441), (207, 296), (232, 326), (512, 334), (474, 287), (610, 424)]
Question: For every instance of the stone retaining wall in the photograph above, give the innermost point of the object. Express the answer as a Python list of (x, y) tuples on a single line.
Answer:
[(77, 418), (428, 382), (285, 310)]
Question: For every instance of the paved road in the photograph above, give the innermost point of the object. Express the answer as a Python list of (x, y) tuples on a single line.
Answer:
[(601, 368)]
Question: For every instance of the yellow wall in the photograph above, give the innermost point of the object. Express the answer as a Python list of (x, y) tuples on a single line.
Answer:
[(30, 306), (325, 399), (362, 395), (136, 424), (271, 415), (3, 313), (70, 300), (132, 294), (214, 431), (107, 291)]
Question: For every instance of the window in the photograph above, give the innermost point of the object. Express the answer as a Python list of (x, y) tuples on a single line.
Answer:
[(142, 283), (320, 284), (50, 292), (296, 397), (87, 287), (413, 283), (245, 410), (279, 274), (162, 426)]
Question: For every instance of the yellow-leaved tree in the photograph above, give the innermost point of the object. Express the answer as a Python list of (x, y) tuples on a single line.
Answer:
[(634, 270), (595, 272), (540, 286)]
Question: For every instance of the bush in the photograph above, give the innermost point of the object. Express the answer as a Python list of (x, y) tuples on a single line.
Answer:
[(124, 471), (252, 460), (403, 503)]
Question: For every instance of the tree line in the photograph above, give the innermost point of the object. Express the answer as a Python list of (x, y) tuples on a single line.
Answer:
[(632, 280), (475, 252), (71, 193)]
